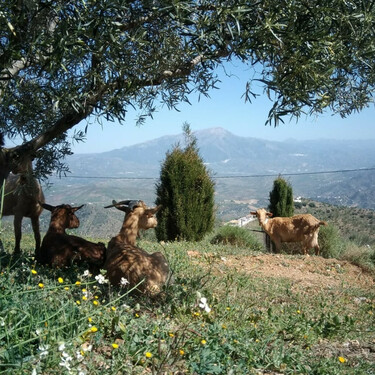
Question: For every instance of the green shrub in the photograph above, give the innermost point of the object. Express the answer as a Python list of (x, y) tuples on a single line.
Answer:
[(361, 256), (298, 205), (330, 242), (236, 236)]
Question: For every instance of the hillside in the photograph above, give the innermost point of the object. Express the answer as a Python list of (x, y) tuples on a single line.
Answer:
[(243, 169)]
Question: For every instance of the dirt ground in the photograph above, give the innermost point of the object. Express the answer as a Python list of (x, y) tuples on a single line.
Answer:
[(309, 272)]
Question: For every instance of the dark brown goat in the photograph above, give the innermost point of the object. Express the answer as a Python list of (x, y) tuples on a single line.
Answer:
[(60, 249), (125, 261), (22, 197)]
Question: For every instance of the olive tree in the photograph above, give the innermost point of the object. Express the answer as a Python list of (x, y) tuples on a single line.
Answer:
[(67, 61)]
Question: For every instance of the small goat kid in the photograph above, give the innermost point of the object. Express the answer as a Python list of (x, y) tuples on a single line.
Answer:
[(60, 249), (299, 228), (125, 260), (22, 197)]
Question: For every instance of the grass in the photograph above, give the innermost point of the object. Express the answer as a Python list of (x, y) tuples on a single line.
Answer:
[(63, 321)]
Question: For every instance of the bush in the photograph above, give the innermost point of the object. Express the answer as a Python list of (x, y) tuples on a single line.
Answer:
[(330, 242), (361, 256), (236, 236)]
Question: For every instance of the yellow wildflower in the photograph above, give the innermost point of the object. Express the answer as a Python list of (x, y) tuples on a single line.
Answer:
[(181, 352), (96, 303), (203, 342), (60, 280), (93, 329), (342, 359), (34, 272), (114, 346), (78, 283), (148, 355), (41, 285)]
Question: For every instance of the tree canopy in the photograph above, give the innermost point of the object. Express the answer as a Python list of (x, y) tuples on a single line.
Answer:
[(64, 61)]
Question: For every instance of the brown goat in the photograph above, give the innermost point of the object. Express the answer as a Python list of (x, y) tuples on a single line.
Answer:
[(299, 228), (60, 249), (126, 261), (22, 197)]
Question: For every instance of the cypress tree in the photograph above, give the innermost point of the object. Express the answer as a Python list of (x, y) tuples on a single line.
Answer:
[(281, 202), (186, 192), (281, 199)]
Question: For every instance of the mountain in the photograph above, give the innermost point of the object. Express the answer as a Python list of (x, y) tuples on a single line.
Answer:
[(226, 153), (243, 168)]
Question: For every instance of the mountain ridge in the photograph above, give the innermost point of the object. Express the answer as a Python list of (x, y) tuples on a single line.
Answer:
[(132, 170)]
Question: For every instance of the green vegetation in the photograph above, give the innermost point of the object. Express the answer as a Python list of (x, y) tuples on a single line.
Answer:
[(236, 236), (281, 198), (186, 193), (55, 320)]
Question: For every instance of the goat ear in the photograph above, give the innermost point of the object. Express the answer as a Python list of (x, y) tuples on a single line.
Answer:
[(47, 206), (253, 213), (77, 208), (269, 214), (154, 210)]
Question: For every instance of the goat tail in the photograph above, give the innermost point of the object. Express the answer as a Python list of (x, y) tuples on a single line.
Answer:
[(322, 223)]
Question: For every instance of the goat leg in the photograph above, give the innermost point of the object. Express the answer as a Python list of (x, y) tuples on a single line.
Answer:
[(17, 222)]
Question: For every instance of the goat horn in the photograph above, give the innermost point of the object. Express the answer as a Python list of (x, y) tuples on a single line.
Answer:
[(129, 203)]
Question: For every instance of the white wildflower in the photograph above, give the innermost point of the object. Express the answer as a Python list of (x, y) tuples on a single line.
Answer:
[(101, 279), (34, 372), (66, 356), (65, 360), (61, 347), (204, 305), (79, 356), (124, 282), (65, 364), (86, 273), (43, 350)]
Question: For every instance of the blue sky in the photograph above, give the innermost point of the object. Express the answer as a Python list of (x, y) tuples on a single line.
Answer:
[(226, 108)]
